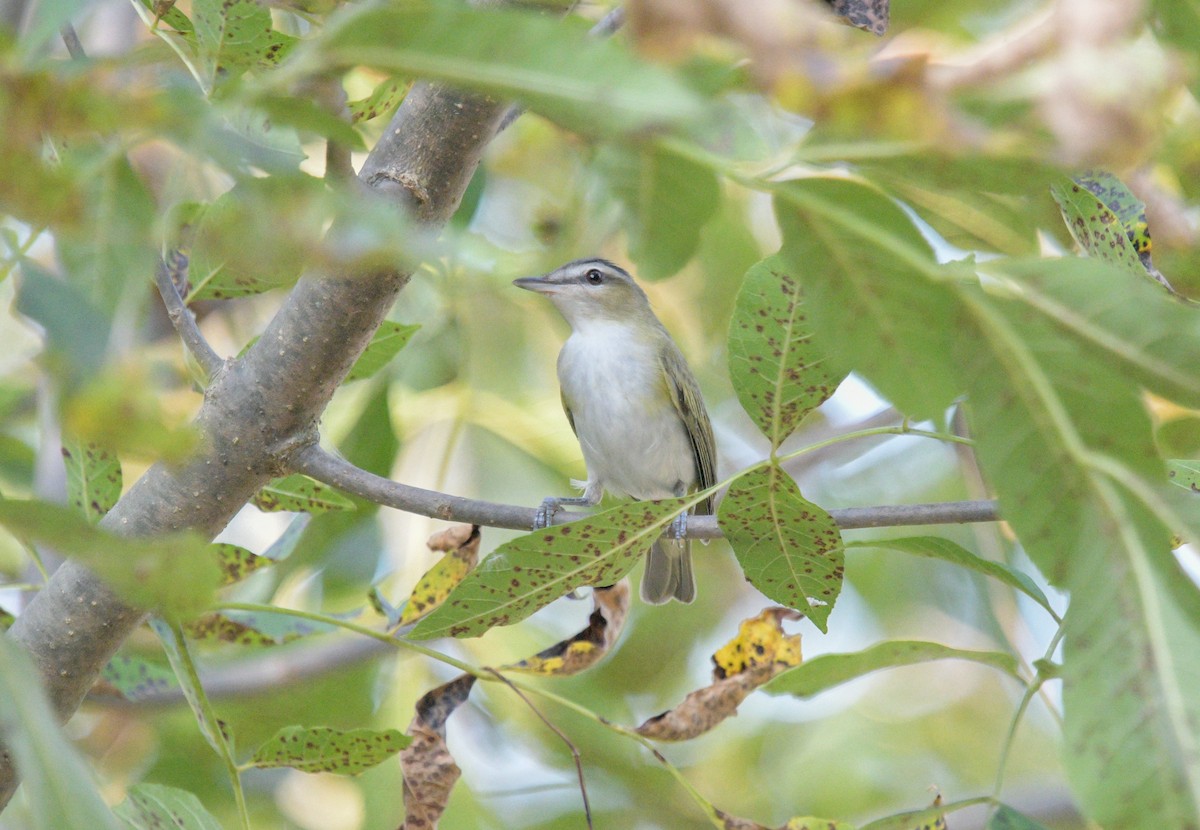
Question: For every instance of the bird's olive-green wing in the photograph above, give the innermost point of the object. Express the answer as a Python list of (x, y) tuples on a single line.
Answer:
[(567, 409), (689, 403)]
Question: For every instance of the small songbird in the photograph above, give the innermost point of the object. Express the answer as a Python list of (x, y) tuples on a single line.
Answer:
[(634, 406)]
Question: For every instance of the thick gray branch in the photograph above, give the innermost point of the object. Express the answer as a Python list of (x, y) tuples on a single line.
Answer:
[(333, 470), (263, 405)]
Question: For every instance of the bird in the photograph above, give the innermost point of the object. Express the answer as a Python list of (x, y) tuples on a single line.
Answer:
[(634, 406)]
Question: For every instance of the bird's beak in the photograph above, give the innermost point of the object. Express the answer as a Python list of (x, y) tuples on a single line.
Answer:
[(541, 285)]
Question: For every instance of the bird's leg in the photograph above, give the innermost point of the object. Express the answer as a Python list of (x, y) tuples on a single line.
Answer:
[(679, 525), (552, 504)]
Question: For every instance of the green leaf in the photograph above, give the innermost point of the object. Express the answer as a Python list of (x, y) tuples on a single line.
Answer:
[(1098, 229), (1130, 323), (182, 664), (135, 678), (235, 35), (779, 374), (1185, 474), (930, 818), (552, 66), (1131, 714), (174, 574), (57, 782), (668, 197), (155, 807), (385, 344), (383, 100), (248, 628), (1179, 437), (77, 331), (936, 547), (828, 670), (532, 571), (300, 494), (93, 478), (322, 749), (1006, 818), (789, 548), (237, 563), (869, 280)]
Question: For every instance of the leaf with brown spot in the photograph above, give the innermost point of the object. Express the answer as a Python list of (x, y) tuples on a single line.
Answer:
[(249, 628), (533, 570), (383, 100), (1107, 221), (134, 677), (730, 822), (323, 749), (778, 372), (931, 818), (154, 806), (237, 563), (93, 478), (428, 767), (869, 15), (461, 544), (589, 646), (300, 494), (1185, 474), (789, 548)]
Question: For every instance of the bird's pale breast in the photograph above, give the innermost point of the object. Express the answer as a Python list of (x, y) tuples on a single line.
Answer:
[(633, 440)]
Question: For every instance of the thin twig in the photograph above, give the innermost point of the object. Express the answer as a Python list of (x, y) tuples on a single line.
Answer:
[(168, 276), (337, 472), (608, 24), (71, 40), (587, 807)]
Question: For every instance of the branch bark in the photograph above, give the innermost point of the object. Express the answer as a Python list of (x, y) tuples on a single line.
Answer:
[(264, 405), (337, 472)]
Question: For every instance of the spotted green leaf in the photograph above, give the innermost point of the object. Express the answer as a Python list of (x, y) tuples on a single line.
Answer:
[(237, 563), (134, 677), (829, 670), (322, 749), (386, 343), (248, 628), (778, 372), (93, 478), (868, 15), (300, 494), (878, 301), (1185, 474), (1107, 221), (936, 547), (383, 100), (235, 35), (157, 807), (533, 570), (179, 656)]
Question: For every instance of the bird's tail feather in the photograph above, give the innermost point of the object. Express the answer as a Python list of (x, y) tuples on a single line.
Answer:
[(669, 572)]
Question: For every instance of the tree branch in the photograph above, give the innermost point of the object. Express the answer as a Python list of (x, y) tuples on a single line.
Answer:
[(170, 274), (264, 402), (337, 472)]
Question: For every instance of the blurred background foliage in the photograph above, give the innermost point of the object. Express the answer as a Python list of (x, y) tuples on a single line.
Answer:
[(964, 111)]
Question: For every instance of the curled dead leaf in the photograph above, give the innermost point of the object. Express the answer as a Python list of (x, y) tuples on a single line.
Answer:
[(428, 767), (591, 644), (461, 546), (759, 652)]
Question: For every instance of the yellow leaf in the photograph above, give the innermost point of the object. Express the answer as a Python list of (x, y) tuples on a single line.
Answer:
[(461, 545), (589, 646), (760, 641)]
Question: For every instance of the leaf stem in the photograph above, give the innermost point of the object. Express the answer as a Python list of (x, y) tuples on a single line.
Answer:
[(1035, 685)]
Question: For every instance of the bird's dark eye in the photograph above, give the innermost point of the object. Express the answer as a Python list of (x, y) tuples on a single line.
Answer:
[(594, 276)]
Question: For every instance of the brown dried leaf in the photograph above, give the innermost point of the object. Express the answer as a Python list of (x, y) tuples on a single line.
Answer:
[(428, 767), (705, 708), (589, 646), (759, 652)]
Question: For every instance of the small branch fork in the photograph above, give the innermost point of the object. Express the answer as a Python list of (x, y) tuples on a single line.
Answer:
[(170, 274)]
